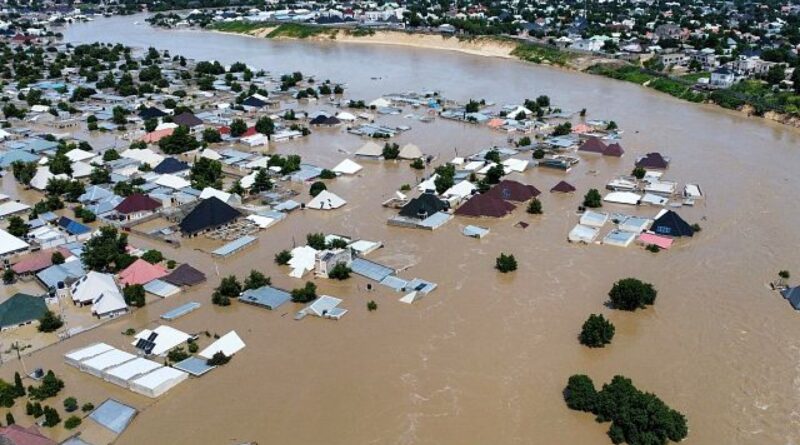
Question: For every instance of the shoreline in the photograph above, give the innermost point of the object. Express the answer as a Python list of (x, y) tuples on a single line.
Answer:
[(491, 47)]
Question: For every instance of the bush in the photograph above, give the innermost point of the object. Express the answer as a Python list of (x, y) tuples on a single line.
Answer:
[(193, 348), (134, 295), (506, 263), (535, 207), (171, 264), (51, 417), (593, 199), (72, 422), (538, 153), (317, 188), (50, 322), (580, 393), (372, 305), (70, 404), (153, 256), (283, 257), (339, 272), (639, 172), (50, 387), (316, 241), (88, 406), (327, 174), (177, 354), (630, 294), (418, 164), (390, 151), (653, 248), (596, 331), (218, 359), (305, 294)]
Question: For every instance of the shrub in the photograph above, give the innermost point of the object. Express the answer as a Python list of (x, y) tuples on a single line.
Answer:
[(50, 322), (171, 264), (580, 393), (538, 153), (177, 354), (88, 406), (327, 174), (596, 331), (418, 164), (72, 422), (317, 188), (50, 387), (153, 256), (593, 199), (372, 305), (339, 272), (283, 257), (653, 248), (630, 294), (70, 404), (256, 279), (305, 294), (535, 207), (134, 295), (639, 172), (218, 359), (506, 263)]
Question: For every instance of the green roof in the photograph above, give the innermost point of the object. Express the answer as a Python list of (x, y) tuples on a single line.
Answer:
[(21, 308)]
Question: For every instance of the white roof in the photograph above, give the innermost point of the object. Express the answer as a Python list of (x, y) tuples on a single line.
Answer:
[(256, 139), (112, 357), (583, 233), (623, 198), (322, 305), (108, 302), (364, 247), (594, 219), (410, 151), (461, 190), (88, 351), (345, 116), (370, 149), (326, 201), (261, 221), (228, 344), (42, 176), (248, 180), (166, 126), (380, 103), (81, 169), (428, 184), (77, 154), (208, 192), (158, 377), (303, 260), (516, 165), (133, 368), (347, 167), (258, 162), (167, 338), (210, 154), (91, 285), (473, 165), (12, 207), (10, 243), (144, 155), (653, 199), (173, 182), (692, 191)]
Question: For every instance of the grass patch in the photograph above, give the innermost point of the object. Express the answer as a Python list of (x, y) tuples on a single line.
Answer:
[(299, 31), (628, 73), (539, 53), (360, 32), (238, 26)]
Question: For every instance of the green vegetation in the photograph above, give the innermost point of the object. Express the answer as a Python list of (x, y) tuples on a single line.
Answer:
[(339, 272), (218, 359), (50, 387), (72, 422), (177, 354), (256, 279), (535, 207), (305, 294), (134, 295), (70, 404), (283, 257), (506, 263), (106, 252), (300, 31), (637, 418), (372, 305), (390, 151), (88, 406), (50, 322), (592, 199), (596, 331), (535, 53), (630, 294), (51, 417), (228, 288), (153, 256), (240, 27), (317, 188)]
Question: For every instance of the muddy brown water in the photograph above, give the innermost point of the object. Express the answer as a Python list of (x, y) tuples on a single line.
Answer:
[(483, 359)]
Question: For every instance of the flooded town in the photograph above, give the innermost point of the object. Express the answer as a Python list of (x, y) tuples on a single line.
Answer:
[(214, 235)]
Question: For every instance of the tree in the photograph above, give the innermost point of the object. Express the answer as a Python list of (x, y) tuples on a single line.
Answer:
[(19, 388), (102, 252), (327, 174), (88, 406), (229, 287), (256, 279), (211, 135), (50, 322), (60, 164), (57, 257), (580, 393), (339, 272), (776, 74), (70, 404), (524, 141), (24, 171), (538, 153), (305, 294), (494, 174), (150, 124), (562, 129), (206, 173), (17, 226), (10, 419), (99, 175), (630, 294), (50, 387), (72, 422), (180, 141), (372, 305), (110, 155), (492, 156), (317, 188), (445, 177), (639, 172), (592, 199), (153, 256), (177, 354), (535, 207), (51, 417), (783, 276), (8, 275), (418, 164), (596, 331), (390, 151), (220, 300), (316, 241), (218, 359), (261, 183), (264, 125), (506, 263), (283, 257), (134, 295), (238, 127), (236, 188)]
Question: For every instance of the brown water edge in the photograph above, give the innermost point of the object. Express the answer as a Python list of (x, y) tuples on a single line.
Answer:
[(483, 359)]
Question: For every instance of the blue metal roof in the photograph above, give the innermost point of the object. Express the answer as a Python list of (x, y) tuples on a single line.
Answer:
[(235, 245), (73, 227), (180, 311), (61, 272), (371, 270), (194, 366), (267, 296), (113, 415)]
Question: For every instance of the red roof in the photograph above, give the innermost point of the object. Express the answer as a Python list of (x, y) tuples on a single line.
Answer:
[(137, 202), (227, 130), (485, 205), (141, 272), (513, 191), (593, 145), (17, 435), (614, 150), (563, 187), (35, 262)]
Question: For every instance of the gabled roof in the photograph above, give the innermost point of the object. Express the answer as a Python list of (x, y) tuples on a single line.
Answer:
[(137, 202), (653, 160), (485, 205), (187, 119), (35, 262), (170, 165), (326, 200), (185, 275), (208, 214), (72, 227), (513, 191), (21, 308), (614, 150), (563, 187)]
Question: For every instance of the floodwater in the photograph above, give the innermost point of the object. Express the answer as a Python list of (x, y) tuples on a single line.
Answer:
[(483, 359)]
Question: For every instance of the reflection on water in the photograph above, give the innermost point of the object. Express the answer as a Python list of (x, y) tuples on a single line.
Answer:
[(483, 358)]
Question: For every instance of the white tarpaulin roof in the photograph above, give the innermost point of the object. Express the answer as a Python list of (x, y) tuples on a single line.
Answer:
[(303, 260), (166, 338), (10, 243), (326, 201), (347, 167), (228, 344), (173, 182), (461, 190), (11, 207), (623, 198), (581, 233), (516, 165)]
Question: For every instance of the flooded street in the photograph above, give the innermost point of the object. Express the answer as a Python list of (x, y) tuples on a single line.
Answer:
[(483, 359)]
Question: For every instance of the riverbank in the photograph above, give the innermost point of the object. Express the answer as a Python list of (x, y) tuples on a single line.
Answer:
[(745, 98)]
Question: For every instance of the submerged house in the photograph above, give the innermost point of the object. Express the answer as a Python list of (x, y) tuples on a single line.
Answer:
[(653, 161), (136, 206), (563, 187), (513, 191), (792, 294), (209, 214), (423, 206), (21, 309), (485, 205), (671, 224)]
